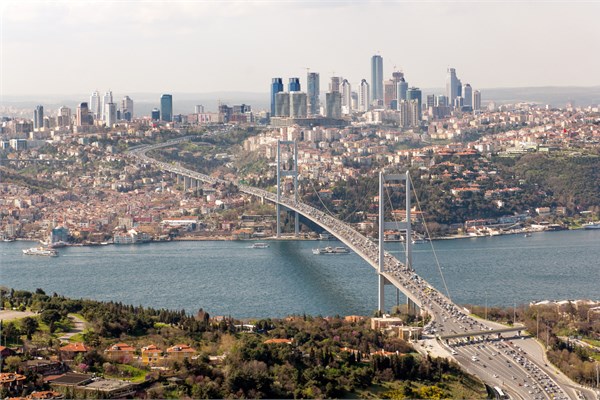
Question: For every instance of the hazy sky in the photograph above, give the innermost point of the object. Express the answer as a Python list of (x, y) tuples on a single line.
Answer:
[(51, 47)]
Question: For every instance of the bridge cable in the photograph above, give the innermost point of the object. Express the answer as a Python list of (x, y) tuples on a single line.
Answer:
[(437, 261), (395, 219)]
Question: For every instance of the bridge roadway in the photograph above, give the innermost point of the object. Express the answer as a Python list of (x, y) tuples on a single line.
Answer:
[(447, 317)]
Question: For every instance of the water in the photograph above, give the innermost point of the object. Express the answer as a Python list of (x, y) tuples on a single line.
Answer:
[(228, 278)]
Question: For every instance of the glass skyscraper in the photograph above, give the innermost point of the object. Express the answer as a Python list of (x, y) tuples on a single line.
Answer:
[(312, 83), (166, 107), (276, 87), (376, 78), (294, 85)]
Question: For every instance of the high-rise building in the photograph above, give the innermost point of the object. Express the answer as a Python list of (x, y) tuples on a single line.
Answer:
[(414, 93), (430, 100), (276, 87), (389, 92), (155, 114), (63, 119), (282, 104), (312, 84), (199, 109), (95, 105), (108, 98), (38, 117), (333, 105), (476, 104), (401, 89), (82, 118), (451, 85), (111, 114), (364, 100), (467, 94), (166, 107), (376, 78), (346, 97), (298, 105), (127, 108), (441, 101), (334, 85), (294, 85)]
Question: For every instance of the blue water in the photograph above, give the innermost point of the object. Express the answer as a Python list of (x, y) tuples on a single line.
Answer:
[(228, 278)]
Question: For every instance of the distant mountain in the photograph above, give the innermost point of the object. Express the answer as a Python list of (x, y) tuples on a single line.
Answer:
[(183, 103)]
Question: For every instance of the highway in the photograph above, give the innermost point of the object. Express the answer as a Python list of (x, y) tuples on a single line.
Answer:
[(520, 370)]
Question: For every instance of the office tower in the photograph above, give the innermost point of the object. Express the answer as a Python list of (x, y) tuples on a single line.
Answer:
[(312, 83), (96, 105), (282, 104), (111, 114), (364, 100), (334, 85), (276, 87), (166, 107), (430, 100), (155, 114), (451, 85), (63, 117), (389, 92), (333, 105), (441, 101), (401, 89), (108, 98), (467, 94), (82, 118), (346, 97), (294, 85), (127, 108), (376, 78), (414, 93), (199, 109), (298, 108), (476, 104), (38, 117)]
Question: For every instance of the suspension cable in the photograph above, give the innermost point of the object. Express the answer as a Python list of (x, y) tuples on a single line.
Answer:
[(395, 219), (437, 261)]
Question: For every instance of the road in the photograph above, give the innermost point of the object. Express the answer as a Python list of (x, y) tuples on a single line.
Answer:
[(9, 315), (78, 327)]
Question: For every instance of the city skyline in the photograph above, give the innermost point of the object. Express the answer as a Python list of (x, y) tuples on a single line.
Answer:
[(546, 45)]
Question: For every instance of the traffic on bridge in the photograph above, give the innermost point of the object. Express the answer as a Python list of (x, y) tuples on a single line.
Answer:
[(520, 372)]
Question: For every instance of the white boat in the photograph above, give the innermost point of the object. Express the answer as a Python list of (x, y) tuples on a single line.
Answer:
[(40, 251), (259, 245), (331, 250), (592, 225), (527, 235)]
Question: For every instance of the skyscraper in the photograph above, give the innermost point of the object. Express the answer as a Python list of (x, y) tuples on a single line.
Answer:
[(82, 114), (476, 100), (346, 97), (63, 118), (401, 89), (451, 85), (95, 105), (282, 104), (276, 87), (312, 83), (294, 85), (127, 108), (467, 94), (155, 114), (108, 98), (333, 105), (376, 78), (166, 107), (364, 100), (38, 117), (334, 85), (111, 114), (414, 93), (298, 105)]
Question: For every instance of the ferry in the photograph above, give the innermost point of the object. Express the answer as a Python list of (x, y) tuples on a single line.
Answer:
[(260, 245), (331, 250), (41, 251)]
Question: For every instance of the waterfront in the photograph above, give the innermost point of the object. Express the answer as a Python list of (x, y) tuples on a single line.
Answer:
[(227, 278)]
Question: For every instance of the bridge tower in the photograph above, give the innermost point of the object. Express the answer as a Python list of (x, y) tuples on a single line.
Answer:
[(288, 144), (400, 226)]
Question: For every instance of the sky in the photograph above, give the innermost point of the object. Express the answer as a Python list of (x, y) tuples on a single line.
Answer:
[(72, 47)]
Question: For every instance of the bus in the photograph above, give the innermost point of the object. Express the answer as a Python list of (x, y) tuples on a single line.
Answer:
[(501, 394)]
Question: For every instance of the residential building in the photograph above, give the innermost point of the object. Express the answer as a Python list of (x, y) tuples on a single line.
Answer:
[(333, 105), (476, 100), (179, 353), (298, 106), (151, 355), (364, 101), (69, 351), (282, 104), (120, 353)]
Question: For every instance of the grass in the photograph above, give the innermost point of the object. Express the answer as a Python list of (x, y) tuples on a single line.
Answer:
[(593, 342), (130, 373), (158, 325), (78, 337), (78, 316)]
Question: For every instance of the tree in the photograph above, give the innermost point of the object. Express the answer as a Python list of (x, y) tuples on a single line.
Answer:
[(29, 326), (12, 363)]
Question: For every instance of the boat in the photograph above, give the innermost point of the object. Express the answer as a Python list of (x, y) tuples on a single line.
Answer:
[(259, 245), (331, 250), (41, 251), (8, 240), (527, 235), (592, 225)]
